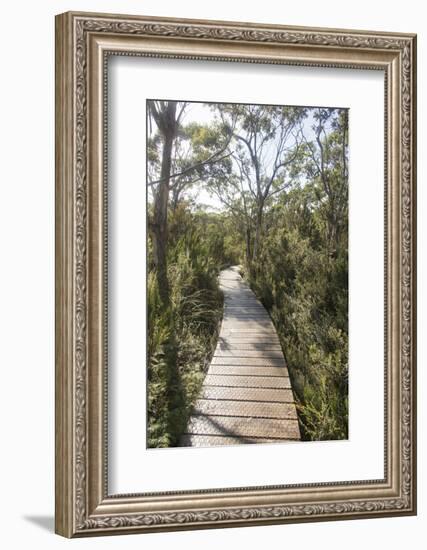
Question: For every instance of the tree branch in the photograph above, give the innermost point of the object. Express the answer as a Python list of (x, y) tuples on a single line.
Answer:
[(209, 160)]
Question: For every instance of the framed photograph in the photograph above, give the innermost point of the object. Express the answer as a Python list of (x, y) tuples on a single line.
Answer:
[(235, 274)]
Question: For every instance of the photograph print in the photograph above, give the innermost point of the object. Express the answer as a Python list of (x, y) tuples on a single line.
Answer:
[(247, 273)]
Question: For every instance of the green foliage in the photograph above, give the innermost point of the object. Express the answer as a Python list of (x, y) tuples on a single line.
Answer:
[(181, 339), (305, 290)]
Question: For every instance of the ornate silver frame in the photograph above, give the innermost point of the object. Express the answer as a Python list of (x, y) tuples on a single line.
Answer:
[(83, 42)]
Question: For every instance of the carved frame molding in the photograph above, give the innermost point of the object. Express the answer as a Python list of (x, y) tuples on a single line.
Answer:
[(83, 42)]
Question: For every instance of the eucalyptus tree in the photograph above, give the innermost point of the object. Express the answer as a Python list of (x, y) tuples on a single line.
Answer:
[(177, 157), (167, 117), (326, 152), (265, 142)]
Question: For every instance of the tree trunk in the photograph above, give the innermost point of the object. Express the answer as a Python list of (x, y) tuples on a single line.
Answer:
[(248, 248), (160, 220), (258, 227)]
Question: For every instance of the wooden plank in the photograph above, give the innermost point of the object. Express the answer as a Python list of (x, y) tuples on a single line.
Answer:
[(238, 339), (254, 326), (234, 307), (236, 352), (244, 427), (237, 304), (246, 395), (255, 335), (196, 440), (245, 408), (247, 381), (248, 346), (244, 370), (251, 303), (261, 361), (245, 311), (233, 324), (248, 320), (278, 395), (230, 334), (248, 331), (246, 315)]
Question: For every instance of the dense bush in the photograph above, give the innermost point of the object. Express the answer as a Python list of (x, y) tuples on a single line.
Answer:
[(181, 339), (304, 287)]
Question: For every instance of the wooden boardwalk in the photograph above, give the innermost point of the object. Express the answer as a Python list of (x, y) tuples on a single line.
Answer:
[(246, 396)]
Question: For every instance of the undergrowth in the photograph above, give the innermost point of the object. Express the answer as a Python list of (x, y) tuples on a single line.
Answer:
[(182, 338), (305, 291)]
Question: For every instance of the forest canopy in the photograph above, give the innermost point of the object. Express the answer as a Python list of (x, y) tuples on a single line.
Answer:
[(265, 188)]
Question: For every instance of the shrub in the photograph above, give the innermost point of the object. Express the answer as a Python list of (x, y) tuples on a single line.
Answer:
[(181, 339)]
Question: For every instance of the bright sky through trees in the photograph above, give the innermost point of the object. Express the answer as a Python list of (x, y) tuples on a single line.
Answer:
[(203, 114)]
